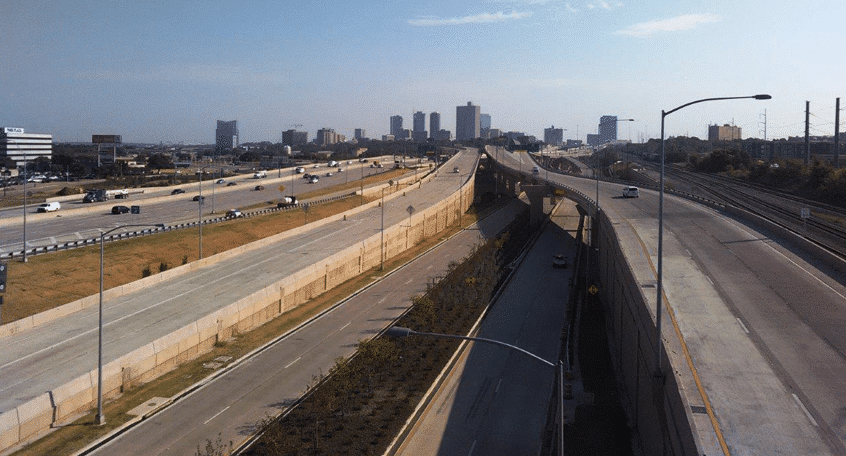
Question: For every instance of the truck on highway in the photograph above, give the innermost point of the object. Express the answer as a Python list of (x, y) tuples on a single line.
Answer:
[(104, 195), (287, 201)]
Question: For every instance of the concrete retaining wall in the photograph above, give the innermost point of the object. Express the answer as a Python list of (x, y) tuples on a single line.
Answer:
[(74, 398), (659, 411)]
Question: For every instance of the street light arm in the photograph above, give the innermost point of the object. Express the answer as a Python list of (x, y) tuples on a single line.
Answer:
[(757, 97), (157, 225), (398, 331)]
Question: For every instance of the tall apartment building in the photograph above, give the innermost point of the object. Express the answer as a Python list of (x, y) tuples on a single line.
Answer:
[(326, 136), (226, 135), (419, 127), (360, 134), (396, 126), (553, 136), (725, 133), (434, 124), (467, 122), (19, 146), (607, 129), (294, 138)]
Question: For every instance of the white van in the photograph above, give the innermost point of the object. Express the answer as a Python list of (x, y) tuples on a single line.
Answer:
[(49, 207), (630, 192)]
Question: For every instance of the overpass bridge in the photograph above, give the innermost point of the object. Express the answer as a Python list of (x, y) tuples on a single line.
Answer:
[(753, 348)]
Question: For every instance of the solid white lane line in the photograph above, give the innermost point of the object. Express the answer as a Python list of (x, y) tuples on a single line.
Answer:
[(807, 413), (216, 415), (292, 362)]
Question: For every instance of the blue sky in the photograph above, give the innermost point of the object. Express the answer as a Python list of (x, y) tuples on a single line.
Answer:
[(167, 70)]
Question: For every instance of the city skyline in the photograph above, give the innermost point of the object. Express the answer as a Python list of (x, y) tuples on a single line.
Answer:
[(167, 73)]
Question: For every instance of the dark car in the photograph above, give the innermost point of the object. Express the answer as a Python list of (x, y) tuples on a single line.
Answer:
[(177, 191), (120, 209), (559, 261), (259, 187), (229, 184), (199, 198)]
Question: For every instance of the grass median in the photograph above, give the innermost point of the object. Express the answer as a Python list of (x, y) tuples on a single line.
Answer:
[(74, 436), (50, 280)]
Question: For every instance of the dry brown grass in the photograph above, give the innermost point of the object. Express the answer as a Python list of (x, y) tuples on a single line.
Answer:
[(48, 281), (75, 436)]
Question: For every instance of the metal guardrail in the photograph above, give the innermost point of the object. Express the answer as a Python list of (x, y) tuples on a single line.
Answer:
[(150, 231)]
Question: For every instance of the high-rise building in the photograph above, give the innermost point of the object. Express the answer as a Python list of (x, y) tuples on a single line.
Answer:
[(607, 129), (360, 134), (294, 138), (467, 122), (226, 135), (725, 133), (419, 131), (17, 145), (484, 125), (553, 136), (434, 124), (485, 121), (326, 136), (396, 126)]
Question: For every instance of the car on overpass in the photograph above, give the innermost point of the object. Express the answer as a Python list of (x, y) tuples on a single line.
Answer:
[(630, 192)]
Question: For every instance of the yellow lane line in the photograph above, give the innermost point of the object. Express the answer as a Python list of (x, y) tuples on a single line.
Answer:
[(693, 370)]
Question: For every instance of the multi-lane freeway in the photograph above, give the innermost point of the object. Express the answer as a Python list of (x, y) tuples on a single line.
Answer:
[(764, 324), (49, 355), (77, 220)]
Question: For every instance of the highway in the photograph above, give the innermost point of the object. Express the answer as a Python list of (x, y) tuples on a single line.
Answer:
[(77, 220), (495, 401), (763, 324), (268, 383), (38, 360)]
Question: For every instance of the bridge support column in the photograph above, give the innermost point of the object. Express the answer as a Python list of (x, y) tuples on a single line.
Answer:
[(536, 194)]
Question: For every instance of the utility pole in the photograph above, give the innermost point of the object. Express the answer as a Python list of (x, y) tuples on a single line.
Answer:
[(807, 133), (764, 115), (837, 134)]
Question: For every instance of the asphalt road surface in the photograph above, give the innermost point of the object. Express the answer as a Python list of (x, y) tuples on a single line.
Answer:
[(495, 400), (764, 324), (76, 221), (40, 359), (265, 385)]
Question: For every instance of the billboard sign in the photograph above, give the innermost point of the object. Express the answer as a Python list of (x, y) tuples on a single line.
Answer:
[(105, 139), (13, 130)]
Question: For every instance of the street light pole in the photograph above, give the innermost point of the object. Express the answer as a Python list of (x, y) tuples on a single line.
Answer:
[(200, 214), (25, 197), (597, 165), (382, 242), (659, 297), (101, 419)]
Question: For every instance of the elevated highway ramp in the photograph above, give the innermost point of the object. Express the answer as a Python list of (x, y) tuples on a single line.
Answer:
[(753, 329)]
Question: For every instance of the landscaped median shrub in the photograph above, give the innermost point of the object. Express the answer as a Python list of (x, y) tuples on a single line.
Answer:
[(363, 402)]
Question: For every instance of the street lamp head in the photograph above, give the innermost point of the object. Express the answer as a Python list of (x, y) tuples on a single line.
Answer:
[(762, 96), (398, 331)]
